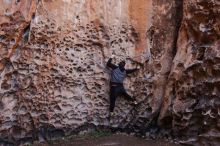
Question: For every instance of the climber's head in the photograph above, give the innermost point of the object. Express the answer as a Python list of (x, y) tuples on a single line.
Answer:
[(121, 64)]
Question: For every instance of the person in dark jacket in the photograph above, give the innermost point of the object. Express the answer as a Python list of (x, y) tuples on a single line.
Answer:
[(118, 75)]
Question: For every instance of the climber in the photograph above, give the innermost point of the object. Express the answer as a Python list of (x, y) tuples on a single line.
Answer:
[(116, 84)]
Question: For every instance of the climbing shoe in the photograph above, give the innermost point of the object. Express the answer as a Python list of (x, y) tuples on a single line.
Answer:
[(135, 102), (111, 114)]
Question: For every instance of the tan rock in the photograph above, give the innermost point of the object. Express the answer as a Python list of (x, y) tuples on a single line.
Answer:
[(54, 79)]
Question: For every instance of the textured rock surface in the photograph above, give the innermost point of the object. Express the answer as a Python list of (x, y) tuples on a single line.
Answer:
[(53, 55), (192, 99), (53, 76)]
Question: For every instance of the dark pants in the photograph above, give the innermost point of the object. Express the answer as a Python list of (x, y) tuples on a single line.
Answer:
[(116, 91)]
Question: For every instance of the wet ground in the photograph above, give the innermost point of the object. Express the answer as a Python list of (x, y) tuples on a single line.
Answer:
[(112, 140)]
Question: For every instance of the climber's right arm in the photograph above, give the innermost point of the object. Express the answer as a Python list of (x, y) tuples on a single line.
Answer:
[(110, 64)]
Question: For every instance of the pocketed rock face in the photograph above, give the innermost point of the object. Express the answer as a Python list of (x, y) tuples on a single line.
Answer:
[(53, 55), (192, 99), (14, 23), (54, 80)]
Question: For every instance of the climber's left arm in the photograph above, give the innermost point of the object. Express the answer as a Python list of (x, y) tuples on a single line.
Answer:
[(129, 71)]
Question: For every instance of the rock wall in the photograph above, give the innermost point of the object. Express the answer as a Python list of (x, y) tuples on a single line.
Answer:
[(54, 80), (191, 101), (53, 74)]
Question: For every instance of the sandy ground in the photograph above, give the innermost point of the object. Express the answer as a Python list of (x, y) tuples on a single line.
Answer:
[(113, 140)]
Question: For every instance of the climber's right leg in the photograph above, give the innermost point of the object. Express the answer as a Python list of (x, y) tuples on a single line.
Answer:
[(113, 96)]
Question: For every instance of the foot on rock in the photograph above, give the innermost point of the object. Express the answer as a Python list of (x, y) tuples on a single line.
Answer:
[(135, 102), (111, 114)]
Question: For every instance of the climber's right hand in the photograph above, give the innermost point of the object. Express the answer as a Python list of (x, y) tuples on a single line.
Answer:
[(113, 56)]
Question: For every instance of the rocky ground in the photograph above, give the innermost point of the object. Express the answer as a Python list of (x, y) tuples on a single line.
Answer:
[(111, 140)]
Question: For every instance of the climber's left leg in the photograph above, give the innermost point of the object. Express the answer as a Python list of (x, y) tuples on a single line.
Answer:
[(128, 97)]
